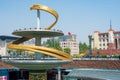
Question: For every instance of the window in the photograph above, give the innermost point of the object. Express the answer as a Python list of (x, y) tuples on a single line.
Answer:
[(103, 40), (107, 35), (103, 44), (103, 36), (100, 36), (115, 35), (107, 40)]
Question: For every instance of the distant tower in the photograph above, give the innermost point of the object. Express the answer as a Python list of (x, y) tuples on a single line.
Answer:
[(111, 37), (110, 25)]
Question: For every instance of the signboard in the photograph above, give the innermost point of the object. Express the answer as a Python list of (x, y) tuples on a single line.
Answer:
[(3, 78), (4, 74)]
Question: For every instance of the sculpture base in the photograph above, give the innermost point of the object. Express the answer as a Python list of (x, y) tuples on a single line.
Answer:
[(41, 75)]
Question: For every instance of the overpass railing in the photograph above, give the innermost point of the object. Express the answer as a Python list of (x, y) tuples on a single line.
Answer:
[(96, 58)]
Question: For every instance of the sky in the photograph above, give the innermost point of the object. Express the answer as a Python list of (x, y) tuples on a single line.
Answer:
[(80, 17)]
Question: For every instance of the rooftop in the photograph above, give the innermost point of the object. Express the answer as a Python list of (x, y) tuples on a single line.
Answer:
[(6, 37), (3, 65)]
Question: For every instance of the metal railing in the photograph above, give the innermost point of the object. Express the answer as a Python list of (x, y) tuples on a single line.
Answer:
[(30, 29), (96, 58)]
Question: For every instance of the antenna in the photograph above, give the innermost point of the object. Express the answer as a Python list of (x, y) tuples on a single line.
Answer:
[(110, 25)]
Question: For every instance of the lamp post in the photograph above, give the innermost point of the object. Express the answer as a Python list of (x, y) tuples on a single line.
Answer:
[(59, 73), (90, 46)]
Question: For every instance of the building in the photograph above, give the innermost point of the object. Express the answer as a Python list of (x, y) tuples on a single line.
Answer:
[(4, 39), (69, 41), (106, 40)]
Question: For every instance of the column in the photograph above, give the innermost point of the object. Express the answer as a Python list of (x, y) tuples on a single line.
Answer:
[(118, 43), (38, 43), (38, 19), (90, 46)]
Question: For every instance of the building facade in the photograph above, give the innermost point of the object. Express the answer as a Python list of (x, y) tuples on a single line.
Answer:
[(106, 40), (4, 40), (3, 48), (69, 41)]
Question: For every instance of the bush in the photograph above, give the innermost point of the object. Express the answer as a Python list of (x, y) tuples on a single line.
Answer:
[(103, 56)]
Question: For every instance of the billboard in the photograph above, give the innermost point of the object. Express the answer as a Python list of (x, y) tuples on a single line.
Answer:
[(4, 74)]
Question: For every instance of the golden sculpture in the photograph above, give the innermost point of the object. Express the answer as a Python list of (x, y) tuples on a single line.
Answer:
[(39, 49), (47, 9)]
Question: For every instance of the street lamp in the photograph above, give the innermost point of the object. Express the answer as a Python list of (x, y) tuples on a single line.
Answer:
[(90, 46)]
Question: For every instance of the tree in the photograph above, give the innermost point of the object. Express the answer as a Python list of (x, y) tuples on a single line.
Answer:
[(53, 43), (83, 47), (67, 50)]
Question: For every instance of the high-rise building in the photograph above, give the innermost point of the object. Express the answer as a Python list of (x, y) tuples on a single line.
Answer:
[(69, 41)]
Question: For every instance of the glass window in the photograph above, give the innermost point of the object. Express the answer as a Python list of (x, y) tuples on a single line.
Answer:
[(103, 40), (118, 34), (103, 35), (107, 35), (100, 36), (107, 40), (115, 34)]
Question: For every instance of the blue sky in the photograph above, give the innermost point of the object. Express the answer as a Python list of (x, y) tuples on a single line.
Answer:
[(80, 17)]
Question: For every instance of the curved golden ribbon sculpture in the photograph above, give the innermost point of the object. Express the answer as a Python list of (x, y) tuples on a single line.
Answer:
[(47, 9), (44, 50)]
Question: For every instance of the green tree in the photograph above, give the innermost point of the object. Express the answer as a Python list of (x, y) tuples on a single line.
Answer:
[(67, 50), (54, 43), (83, 47), (20, 52)]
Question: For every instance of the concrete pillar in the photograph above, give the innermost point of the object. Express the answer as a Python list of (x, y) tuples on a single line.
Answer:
[(117, 43), (38, 19), (38, 43), (6, 54)]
